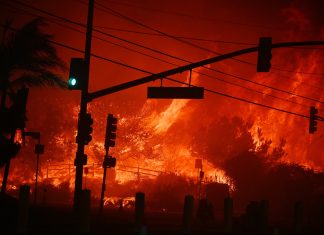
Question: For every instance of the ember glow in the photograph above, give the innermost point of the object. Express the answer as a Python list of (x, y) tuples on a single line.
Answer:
[(165, 137)]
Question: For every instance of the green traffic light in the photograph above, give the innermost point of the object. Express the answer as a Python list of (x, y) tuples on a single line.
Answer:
[(72, 81)]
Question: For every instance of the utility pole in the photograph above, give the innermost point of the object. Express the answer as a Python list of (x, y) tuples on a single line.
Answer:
[(39, 149), (103, 186), (80, 158)]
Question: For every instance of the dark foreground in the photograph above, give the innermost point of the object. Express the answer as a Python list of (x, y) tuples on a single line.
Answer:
[(61, 220)]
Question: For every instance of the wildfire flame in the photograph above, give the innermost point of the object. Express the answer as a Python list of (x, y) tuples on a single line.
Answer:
[(161, 138)]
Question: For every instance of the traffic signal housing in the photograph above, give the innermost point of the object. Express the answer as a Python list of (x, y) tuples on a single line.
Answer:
[(109, 162), (85, 129), (264, 54), (77, 74), (8, 148), (19, 108), (14, 117), (111, 129), (313, 119)]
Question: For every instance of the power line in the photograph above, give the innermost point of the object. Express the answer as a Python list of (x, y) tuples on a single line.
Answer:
[(49, 13), (52, 20), (218, 71), (135, 51), (143, 25), (147, 72), (209, 90), (162, 60), (244, 100), (83, 32), (163, 53), (197, 17), (116, 13), (181, 37)]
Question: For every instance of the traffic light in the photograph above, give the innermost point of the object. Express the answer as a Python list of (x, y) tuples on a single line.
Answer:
[(313, 119), (8, 149), (264, 54), (111, 129), (7, 125), (77, 74), (19, 108), (109, 162), (85, 129), (14, 117)]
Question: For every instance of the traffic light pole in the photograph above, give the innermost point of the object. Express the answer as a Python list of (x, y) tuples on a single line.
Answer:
[(103, 187), (79, 160), (109, 161), (36, 180)]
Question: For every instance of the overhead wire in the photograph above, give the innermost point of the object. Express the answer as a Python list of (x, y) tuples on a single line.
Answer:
[(168, 55), (181, 37), (204, 74), (217, 71), (244, 100), (116, 13), (174, 80), (197, 17)]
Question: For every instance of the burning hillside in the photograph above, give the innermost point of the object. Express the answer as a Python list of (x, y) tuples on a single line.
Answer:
[(160, 140)]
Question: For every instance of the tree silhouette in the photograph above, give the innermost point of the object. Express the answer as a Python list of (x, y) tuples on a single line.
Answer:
[(28, 59)]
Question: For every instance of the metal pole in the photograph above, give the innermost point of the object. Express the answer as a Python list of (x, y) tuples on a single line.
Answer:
[(187, 217), (5, 177), (199, 193), (37, 161), (103, 188), (83, 110)]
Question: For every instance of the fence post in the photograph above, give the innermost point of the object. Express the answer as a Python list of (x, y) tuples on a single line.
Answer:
[(228, 215), (23, 209), (297, 218), (140, 213), (322, 218), (85, 210), (188, 210), (264, 216)]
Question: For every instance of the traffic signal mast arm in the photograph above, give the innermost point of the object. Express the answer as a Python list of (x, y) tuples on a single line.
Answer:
[(321, 119), (153, 77)]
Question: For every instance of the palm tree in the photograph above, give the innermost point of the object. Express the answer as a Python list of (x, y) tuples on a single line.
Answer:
[(27, 58)]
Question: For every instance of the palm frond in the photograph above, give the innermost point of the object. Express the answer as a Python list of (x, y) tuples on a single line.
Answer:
[(29, 49), (40, 79)]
